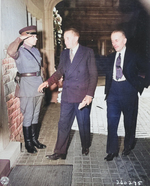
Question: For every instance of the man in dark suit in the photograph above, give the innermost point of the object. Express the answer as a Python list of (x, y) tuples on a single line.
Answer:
[(78, 68), (121, 89)]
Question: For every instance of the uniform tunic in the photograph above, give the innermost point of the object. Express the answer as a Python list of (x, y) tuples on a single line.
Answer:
[(30, 98)]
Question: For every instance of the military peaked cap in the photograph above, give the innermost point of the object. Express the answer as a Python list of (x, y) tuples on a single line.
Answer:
[(28, 30)]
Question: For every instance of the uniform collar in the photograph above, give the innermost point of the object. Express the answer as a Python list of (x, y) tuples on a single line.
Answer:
[(27, 46)]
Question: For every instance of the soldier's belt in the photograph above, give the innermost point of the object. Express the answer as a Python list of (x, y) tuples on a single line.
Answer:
[(38, 73)]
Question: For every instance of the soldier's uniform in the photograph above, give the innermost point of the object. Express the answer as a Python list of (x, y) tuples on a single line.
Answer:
[(28, 62)]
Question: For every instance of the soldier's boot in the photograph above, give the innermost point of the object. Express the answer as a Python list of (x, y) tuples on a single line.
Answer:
[(34, 129), (28, 140)]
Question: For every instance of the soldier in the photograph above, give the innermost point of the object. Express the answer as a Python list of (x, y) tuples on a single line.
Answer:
[(28, 62)]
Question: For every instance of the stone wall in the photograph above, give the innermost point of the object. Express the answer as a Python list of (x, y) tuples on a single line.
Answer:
[(13, 17), (15, 117)]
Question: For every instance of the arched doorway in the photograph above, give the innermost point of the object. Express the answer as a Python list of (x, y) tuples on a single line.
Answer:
[(49, 35)]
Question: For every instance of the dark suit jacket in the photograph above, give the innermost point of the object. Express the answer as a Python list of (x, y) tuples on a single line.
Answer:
[(79, 77), (147, 75), (130, 71)]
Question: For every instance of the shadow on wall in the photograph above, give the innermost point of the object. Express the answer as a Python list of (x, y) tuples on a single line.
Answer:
[(51, 93)]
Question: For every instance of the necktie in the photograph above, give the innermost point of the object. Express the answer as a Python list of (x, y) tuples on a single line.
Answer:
[(119, 73), (71, 55)]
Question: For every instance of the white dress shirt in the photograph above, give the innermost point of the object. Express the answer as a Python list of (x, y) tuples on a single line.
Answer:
[(74, 50)]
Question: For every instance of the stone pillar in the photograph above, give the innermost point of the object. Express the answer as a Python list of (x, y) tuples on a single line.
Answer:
[(34, 22), (49, 41), (29, 18), (103, 48), (49, 35), (39, 25), (40, 42)]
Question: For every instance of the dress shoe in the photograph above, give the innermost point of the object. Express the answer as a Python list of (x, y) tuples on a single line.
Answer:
[(126, 152), (85, 151), (56, 156), (110, 156)]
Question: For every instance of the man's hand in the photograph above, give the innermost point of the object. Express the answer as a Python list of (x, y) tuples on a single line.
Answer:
[(86, 101), (43, 85), (24, 37)]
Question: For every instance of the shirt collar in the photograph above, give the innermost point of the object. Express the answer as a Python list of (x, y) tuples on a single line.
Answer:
[(75, 48), (122, 51)]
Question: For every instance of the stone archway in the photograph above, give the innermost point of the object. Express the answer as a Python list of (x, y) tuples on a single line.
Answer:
[(49, 36)]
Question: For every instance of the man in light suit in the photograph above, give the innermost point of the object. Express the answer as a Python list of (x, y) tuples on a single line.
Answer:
[(121, 89), (28, 62), (78, 68)]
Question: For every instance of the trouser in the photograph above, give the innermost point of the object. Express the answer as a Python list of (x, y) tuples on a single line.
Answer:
[(122, 98), (30, 108), (67, 116)]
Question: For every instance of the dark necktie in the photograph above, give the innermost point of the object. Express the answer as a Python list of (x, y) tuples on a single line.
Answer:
[(119, 73)]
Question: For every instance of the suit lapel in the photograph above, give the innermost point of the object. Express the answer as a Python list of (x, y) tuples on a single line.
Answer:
[(67, 61), (113, 61), (126, 60), (76, 60)]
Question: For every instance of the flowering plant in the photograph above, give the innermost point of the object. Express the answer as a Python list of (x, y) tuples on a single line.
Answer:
[(57, 20)]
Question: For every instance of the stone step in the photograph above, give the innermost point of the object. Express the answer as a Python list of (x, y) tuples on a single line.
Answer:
[(4, 167), (11, 153)]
